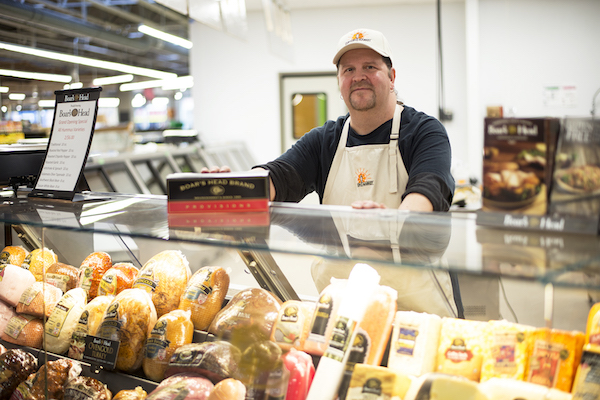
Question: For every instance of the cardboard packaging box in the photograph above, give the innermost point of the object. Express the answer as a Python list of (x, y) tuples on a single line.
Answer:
[(517, 164), (576, 179), (218, 192)]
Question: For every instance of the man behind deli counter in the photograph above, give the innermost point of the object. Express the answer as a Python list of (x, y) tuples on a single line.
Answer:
[(382, 154)]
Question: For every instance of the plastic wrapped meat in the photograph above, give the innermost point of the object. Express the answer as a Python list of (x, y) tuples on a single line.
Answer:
[(215, 360), (6, 313), (15, 367), (13, 282), (86, 388), (185, 386), (58, 373)]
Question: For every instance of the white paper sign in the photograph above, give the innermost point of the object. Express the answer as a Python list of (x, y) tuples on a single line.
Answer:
[(67, 150)]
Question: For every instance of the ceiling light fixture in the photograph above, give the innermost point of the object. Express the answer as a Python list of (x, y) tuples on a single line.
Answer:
[(3, 89), (16, 96), (111, 80), (128, 69), (76, 85), (36, 75), (109, 102), (182, 82), (167, 37), (46, 103)]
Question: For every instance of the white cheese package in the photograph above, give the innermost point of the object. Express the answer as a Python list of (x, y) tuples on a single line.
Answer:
[(509, 389), (6, 313), (438, 386), (414, 342), (13, 282), (64, 318)]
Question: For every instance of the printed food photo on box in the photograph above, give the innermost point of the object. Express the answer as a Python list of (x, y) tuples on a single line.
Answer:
[(517, 162)]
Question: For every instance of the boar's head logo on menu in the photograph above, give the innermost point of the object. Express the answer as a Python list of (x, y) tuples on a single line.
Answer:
[(74, 112)]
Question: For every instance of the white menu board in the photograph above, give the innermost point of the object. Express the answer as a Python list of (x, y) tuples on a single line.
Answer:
[(68, 147)]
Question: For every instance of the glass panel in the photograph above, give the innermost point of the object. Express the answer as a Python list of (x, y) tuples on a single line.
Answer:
[(309, 110)]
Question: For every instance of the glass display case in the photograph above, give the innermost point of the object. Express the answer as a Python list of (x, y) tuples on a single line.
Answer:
[(440, 263)]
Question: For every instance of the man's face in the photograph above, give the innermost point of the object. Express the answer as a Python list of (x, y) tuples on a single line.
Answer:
[(364, 79)]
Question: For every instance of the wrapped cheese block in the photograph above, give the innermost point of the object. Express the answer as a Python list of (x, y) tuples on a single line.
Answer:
[(38, 261), (91, 271), (215, 360), (228, 389), (63, 276), (460, 350), (204, 295), (86, 388), (553, 357), (14, 255), (170, 332), (290, 326), (370, 382), (24, 330), (88, 324), (15, 367), (13, 282), (49, 381), (6, 313), (129, 319), (183, 387), (247, 318), (414, 343), (440, 386), (64, 319), (131, 394), (118, 278), (165, 277), (39, 299), (510, 389), (324, 316), (505, 354)]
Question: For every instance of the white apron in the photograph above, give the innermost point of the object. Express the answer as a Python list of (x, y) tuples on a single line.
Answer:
[(378, 174)]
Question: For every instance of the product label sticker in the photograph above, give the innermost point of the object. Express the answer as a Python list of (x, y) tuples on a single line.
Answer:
[(544, 363), (406, 340)]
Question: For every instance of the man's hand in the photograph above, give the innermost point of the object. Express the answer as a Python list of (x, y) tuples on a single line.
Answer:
[(365, 204), (214, 168)]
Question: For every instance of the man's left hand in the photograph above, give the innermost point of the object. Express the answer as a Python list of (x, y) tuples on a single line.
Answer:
[(366, 204)]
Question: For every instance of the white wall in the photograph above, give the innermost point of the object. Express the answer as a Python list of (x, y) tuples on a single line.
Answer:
[(524, 45)]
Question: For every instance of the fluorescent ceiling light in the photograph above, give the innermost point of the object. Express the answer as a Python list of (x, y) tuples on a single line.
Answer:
[(76, 85), (138, 100), (35, 75), (3, 89), (128, 69), (16, 96), (108, 102), (167, 37), (46, 103), (182, 82), (110, 80), (160, 101)]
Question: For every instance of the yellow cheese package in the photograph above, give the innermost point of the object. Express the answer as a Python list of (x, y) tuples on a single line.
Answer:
[(592, 330), (460, 350), (414, 343), (505, 352), (370, 382), (553, 358)]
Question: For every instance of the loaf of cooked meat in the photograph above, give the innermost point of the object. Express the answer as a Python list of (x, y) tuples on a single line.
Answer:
[(64, 318), (38, 262), (131, 394), (39, 299), (52, 376), (91, 271), (24, 330), (86, 388), (215, 360), (183, 387), (15, 367), (228, 389), (63, 276), (118, 278), (88, 324), (14, 281), (14, 255)]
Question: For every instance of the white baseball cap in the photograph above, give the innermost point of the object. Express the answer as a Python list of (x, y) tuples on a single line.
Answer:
[(363, 39)]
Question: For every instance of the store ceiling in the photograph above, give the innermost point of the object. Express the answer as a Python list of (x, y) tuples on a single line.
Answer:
[(106, 30)]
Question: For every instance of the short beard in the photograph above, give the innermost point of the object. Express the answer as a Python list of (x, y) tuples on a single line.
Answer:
[(370, 103)]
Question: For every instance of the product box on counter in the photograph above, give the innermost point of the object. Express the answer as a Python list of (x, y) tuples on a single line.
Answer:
[(517, 164), (218, 192), (576, 179)]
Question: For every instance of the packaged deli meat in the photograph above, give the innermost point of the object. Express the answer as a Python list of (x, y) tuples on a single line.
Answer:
[(91, 271), (129, 319), (228, 389), (131, 394), (215, 360), (49, 381), (204, 295), (170, 332), (324, 316), (6, 313), (14, 255), (39, 299), (165, 277), (64, 318), (38, 261), (86, 388), (24, 330), (247, 318), (63, 276), (118, 278), (88, 324), (15, 367), (290, 328), (13, 282), (183, 387)]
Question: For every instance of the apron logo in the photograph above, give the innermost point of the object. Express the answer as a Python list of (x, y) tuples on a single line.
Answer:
[(363, 178)]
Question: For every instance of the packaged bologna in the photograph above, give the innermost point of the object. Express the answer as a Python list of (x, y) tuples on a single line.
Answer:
[(13, 282), (64, 319), (164, 277), (460, 350), (38, 262), (39, 299), (204, 295), (129, 319), (91, 271), (291, 326), (117, 278), (171, 331), (88, 324)]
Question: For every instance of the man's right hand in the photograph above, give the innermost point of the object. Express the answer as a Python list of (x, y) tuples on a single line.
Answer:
[(214, 168)]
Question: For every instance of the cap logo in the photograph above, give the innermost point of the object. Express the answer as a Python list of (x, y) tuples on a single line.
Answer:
[(358, 37)]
